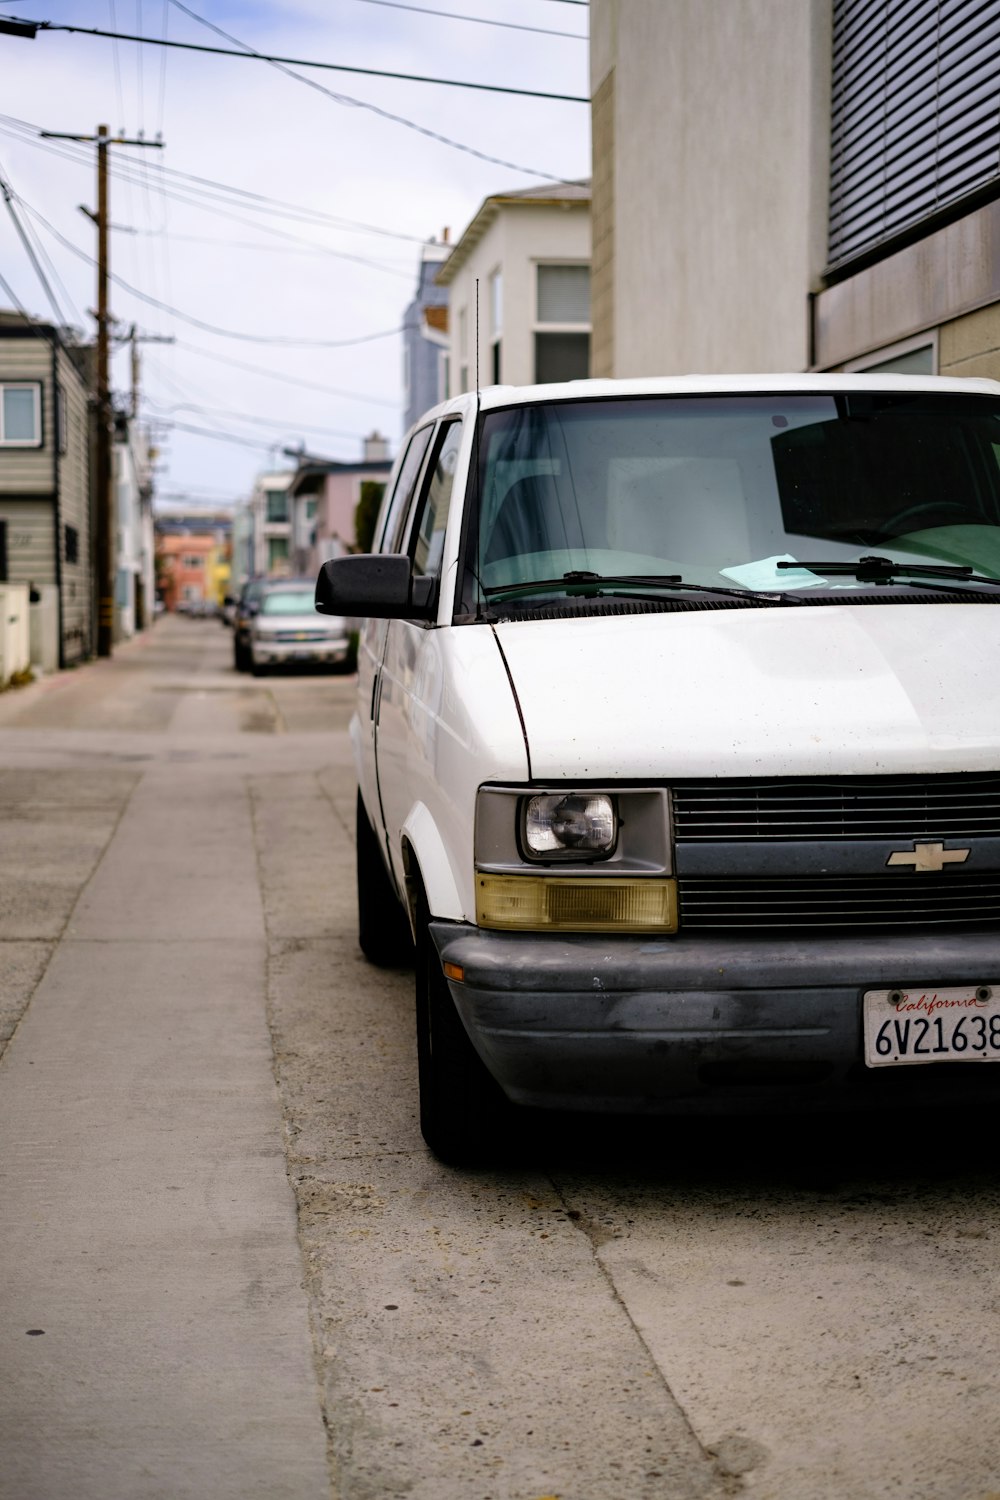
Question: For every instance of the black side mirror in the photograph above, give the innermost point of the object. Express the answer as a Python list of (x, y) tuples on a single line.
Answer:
[(378, 585)]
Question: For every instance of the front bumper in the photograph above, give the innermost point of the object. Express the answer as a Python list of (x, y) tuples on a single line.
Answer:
[(274, 653), (703, 1025)]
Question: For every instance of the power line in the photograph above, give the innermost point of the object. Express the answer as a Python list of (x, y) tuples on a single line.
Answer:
[(224, 437), (44, 255), (384, 114), (117, 68), (8, 197), (309, 385), (307, 62), (452, 15), (27, 132), (193, 202), (291, 424), (228, 333), (307, 248)]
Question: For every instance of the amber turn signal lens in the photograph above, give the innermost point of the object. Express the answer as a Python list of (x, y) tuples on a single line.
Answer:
[(533, 903)]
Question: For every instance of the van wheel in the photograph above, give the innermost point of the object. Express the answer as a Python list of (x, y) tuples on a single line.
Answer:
[(383, 926), (465, 1117)]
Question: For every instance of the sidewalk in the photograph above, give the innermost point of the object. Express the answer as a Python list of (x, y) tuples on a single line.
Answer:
[(154, 1338)]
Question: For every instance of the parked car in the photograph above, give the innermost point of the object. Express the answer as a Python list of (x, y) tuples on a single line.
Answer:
[(678, 746), (285, 630), (246, 608)]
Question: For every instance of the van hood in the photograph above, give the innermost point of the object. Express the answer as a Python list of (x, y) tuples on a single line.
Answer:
[(760, 692)]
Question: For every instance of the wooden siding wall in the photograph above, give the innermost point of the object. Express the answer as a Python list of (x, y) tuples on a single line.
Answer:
[(29, 480), (28, 471), (74, 509), (31, 554)]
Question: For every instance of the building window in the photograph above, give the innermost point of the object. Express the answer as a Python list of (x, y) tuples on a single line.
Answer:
[(277, 505), (192, 560), (311, 509), (564, 294), (277, 552), (562, 323), (72, 544), (20, 414), (911, 357)]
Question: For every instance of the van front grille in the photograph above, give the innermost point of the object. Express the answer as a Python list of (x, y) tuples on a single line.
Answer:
[(954, 898), (913, 808)]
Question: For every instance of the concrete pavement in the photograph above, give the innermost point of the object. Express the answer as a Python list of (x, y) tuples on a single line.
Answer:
[(154, 1331)]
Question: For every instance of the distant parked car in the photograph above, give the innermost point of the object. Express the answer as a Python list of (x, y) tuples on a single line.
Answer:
[(246, 607), (285, 630)]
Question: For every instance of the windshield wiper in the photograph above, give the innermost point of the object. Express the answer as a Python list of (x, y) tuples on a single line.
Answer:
[(597, 584), (876, 569)]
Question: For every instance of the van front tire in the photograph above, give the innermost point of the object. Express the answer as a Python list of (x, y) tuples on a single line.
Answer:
[(465, 1117)]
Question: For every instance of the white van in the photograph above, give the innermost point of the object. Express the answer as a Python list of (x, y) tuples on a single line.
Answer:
[(678, 745)]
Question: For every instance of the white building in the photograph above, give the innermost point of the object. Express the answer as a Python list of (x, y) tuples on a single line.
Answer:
[(135, 582), (271, 524), (529, 252)]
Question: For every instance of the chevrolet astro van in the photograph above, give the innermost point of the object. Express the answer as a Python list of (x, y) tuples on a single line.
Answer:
[(678, 746)]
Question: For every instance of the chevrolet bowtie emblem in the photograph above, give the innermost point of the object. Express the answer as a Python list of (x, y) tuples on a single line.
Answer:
[(929, 857)]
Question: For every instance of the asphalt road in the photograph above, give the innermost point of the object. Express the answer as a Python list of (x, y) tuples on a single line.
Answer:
[(230, 1268)]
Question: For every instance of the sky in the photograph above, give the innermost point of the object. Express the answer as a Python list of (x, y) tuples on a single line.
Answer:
[(305, 229)]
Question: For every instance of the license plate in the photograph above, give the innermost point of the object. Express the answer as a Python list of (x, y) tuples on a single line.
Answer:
[(932, 1025)]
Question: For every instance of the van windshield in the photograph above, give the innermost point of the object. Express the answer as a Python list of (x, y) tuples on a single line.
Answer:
[(719, 489)]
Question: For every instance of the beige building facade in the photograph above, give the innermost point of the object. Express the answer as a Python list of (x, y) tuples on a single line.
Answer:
[(795, 184)]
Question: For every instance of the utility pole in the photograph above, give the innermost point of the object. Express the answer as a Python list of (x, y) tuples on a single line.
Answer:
[(135, 338), (104, 527)]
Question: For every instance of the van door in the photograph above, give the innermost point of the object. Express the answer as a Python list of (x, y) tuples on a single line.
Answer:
[(408, 707), (371, 645)]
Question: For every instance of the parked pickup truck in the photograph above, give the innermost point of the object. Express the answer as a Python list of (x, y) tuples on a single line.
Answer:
[(678, 746)]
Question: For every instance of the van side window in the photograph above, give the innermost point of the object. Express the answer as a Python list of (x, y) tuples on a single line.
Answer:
[(427, 537), (399, 505)]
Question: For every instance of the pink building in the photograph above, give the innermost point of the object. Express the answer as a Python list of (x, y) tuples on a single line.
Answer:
[(323, 497)]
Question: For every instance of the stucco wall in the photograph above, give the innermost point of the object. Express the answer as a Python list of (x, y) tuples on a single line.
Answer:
[(970, 346), (720, 145)]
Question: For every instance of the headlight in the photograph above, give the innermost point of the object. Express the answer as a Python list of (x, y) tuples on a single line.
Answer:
[(568, 824)]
